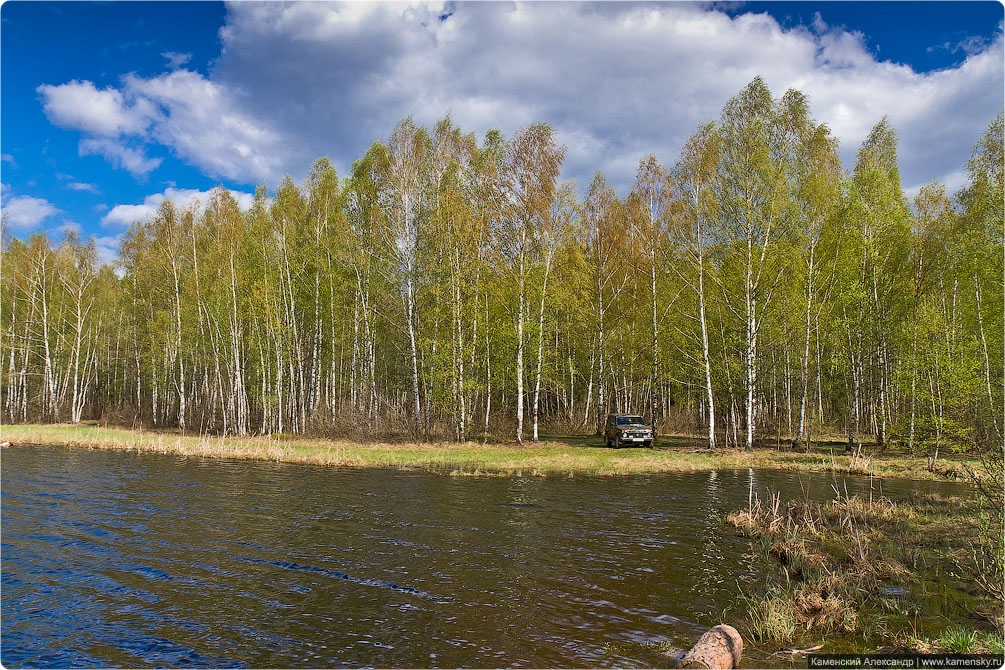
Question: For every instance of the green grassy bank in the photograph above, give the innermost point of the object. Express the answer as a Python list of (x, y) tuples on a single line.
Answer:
[(553, 455)]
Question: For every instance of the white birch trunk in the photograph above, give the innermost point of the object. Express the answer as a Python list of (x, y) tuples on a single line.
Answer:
[(519, 353), (796, 443), (540, 338), (706, 358)]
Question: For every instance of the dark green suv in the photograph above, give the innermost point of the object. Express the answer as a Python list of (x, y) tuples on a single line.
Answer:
[(630, 429)]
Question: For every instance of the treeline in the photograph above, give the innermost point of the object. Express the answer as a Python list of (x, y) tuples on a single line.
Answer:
[(448, 287)]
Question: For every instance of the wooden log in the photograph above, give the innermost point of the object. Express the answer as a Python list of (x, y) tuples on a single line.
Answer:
[(718, 649)]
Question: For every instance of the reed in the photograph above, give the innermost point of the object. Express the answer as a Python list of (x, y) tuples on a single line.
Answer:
[(860, 564)]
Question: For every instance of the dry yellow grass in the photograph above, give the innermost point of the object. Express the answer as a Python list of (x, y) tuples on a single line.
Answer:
[(555, 455)]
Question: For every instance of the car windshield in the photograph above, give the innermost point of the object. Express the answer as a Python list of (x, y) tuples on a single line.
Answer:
[(626, 420)]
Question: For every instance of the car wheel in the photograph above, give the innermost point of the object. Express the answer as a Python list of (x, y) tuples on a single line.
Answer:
[(607, 441), (648, 444)]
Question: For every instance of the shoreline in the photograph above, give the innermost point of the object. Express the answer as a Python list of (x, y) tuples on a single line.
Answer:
[(555, 455)]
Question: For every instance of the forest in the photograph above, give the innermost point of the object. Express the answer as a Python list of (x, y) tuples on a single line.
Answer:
[(449, 288)]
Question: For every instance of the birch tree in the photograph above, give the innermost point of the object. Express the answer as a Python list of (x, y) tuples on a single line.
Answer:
[(450, 286), (533, 163), (652, 188), (407, 153), (695, 211), (879, 216), (753, 194), (818, 175)]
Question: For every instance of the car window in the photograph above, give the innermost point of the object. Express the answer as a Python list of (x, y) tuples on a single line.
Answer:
[(625, 420)]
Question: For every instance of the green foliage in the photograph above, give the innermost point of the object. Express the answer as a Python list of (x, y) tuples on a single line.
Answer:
[(958, 640), (451, 287)]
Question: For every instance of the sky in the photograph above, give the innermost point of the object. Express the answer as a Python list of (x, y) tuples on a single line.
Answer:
[(108, 108)]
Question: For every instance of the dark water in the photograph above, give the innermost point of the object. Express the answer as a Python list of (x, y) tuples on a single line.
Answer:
[(127, 559)]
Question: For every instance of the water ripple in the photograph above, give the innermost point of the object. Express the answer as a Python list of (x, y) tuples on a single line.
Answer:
[(148, 560)]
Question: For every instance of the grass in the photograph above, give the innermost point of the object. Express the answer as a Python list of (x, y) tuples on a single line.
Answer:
[(955, 640), (553, 455), (891, 572), (958, 640)]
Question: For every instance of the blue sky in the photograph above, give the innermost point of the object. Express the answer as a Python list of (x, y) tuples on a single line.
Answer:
[(107, 108)]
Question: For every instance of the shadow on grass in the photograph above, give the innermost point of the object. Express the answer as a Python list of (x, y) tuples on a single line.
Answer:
[(596, 442)]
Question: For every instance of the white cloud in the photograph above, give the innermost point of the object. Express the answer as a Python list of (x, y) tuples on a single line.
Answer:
[(120, 156), (197, 118), (7, 158), (204, 125), (616, 81), (81, 106), (122, 216), (938, 116), (68, 226), (176, 60), (107, 247), (81, 186), (24, 213)]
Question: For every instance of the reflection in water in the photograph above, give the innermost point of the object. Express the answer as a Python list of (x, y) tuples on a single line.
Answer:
[(135, 559)]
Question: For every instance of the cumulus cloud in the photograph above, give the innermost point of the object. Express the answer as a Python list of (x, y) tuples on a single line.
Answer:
[(23, 213), (616, 80), (108, 112), (939, 116), (122, 216), (120, 155), (204, 125), (7, 158), (81, 186), (195, 117)]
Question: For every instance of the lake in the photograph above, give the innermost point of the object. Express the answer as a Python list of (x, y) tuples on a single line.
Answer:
[(115, 558)]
